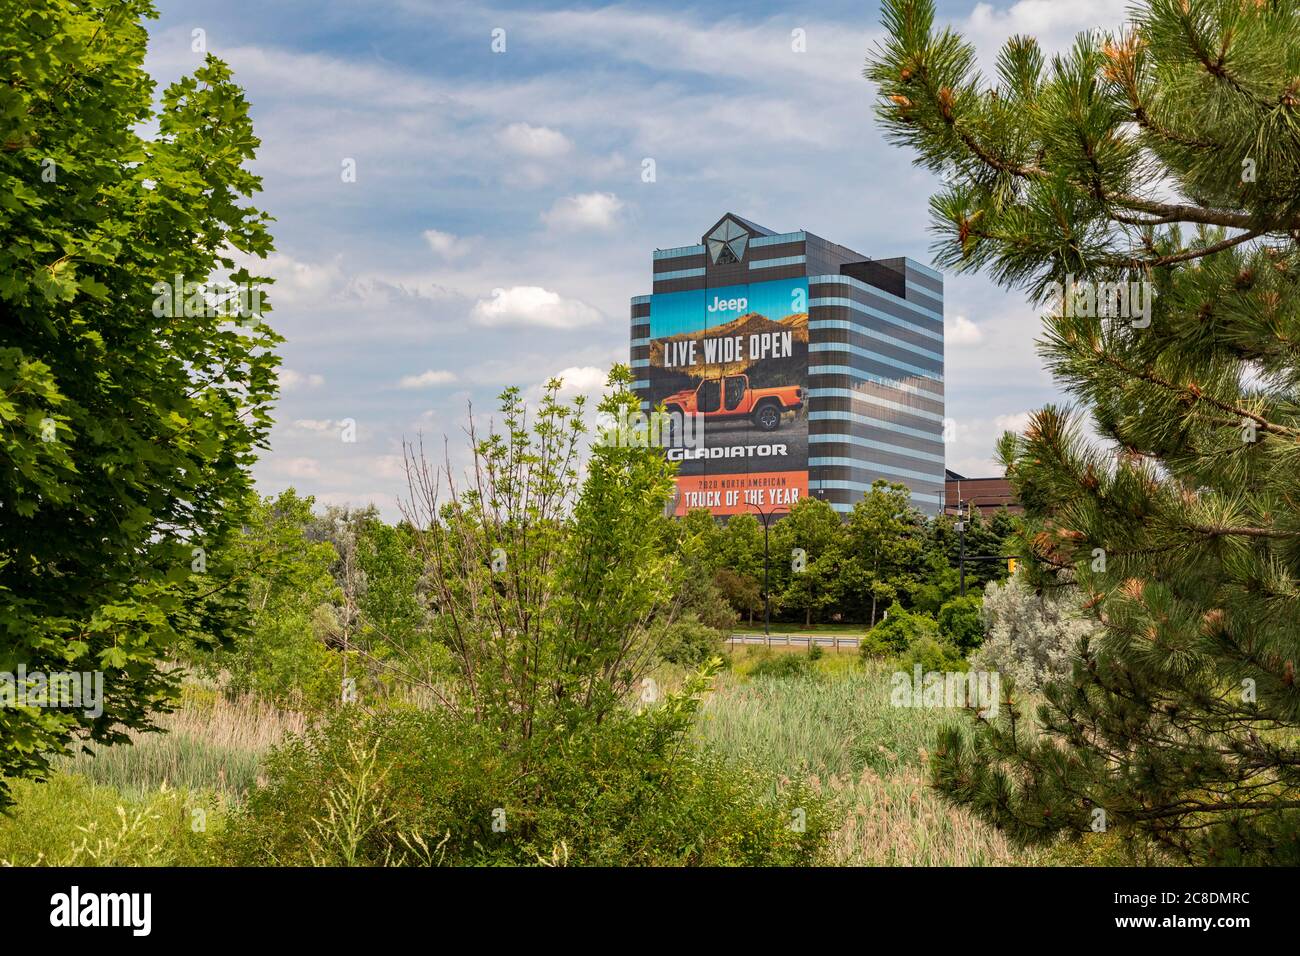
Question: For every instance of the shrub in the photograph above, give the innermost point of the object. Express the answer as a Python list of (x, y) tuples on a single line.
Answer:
[(687, 640), (871, 646), (959, 622), (1030, 637), (785, 665), (422, 788), (933, 655), (898, 631)]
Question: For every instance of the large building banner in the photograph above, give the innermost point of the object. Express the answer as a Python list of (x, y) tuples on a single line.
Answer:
[(730, 367)]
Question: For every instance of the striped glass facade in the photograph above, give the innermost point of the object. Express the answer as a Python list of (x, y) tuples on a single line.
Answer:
[(875, 356)]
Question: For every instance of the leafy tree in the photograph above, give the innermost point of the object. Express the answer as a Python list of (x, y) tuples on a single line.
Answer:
[(885, 543), (939, 580), (1163, 156), (392, 607), (283, 655), (125, 436), (985, 546), (897, 631), (741, 591), (547, 583), (813, 527), (959, 622), (707, 538), (698, 546), (742, 545)]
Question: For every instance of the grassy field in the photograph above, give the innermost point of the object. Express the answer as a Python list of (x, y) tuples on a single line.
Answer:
[(70, 821), (136, 805), (837, 729), (209, 743)]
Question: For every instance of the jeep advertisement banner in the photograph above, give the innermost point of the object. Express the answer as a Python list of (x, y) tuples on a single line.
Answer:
[(730, 367)]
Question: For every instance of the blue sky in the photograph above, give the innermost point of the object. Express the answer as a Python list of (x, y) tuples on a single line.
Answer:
[(499, 222)]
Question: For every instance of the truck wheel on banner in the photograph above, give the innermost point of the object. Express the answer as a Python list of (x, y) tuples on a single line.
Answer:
[(768, 417)]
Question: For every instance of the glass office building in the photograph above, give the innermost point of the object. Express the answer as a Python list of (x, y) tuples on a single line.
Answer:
[(815, 369)]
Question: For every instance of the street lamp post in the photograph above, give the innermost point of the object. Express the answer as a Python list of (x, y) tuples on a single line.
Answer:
[(767, 594)]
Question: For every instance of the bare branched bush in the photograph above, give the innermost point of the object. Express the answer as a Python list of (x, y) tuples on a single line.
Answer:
[(545, 571)]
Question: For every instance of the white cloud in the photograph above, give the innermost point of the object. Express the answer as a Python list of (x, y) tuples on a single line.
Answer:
[(292, 381), (583, 380), (298, 282), (1012, 423), (959, 330), (585, 211), (298, 467), (427, 379), (316, 425), (539, 142), (1053, 23), (445, 244), (389, 466), (973, 453), (533, 305)]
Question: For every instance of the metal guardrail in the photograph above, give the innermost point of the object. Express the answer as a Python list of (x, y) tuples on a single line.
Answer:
[(834, 641)]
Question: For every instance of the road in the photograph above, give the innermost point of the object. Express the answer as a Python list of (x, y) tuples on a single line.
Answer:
[(795, 640)]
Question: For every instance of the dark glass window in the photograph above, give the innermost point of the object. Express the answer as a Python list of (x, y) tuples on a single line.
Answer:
[(709, 397), (735, 387)]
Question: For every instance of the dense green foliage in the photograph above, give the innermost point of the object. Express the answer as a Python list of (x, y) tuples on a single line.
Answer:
[(423, 788), (552, 594), (1162, 156), (69, 821), (125, 436), (899, 629), (959, 622), (825, 567), (283, 655)]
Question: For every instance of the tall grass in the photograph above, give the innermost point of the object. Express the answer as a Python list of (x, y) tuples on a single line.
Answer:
[(835, 730), (839, 731), (210, 742), (69, 821)]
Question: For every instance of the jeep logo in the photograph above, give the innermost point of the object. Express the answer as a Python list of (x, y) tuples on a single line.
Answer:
[(728, 305)]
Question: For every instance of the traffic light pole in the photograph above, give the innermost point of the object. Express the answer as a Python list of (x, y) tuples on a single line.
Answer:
[(961, 551)]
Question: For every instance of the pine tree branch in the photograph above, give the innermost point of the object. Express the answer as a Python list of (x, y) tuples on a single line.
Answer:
[(1222, 531), (1185, 256), (1143, 118), (1177, 212), (1216, 67), (1195, 394), (941, 101)]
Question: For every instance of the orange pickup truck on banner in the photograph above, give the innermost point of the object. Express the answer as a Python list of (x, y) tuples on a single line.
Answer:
[(734, 494)]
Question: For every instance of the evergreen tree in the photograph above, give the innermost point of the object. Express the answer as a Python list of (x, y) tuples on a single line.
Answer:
[(1163, 157)]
